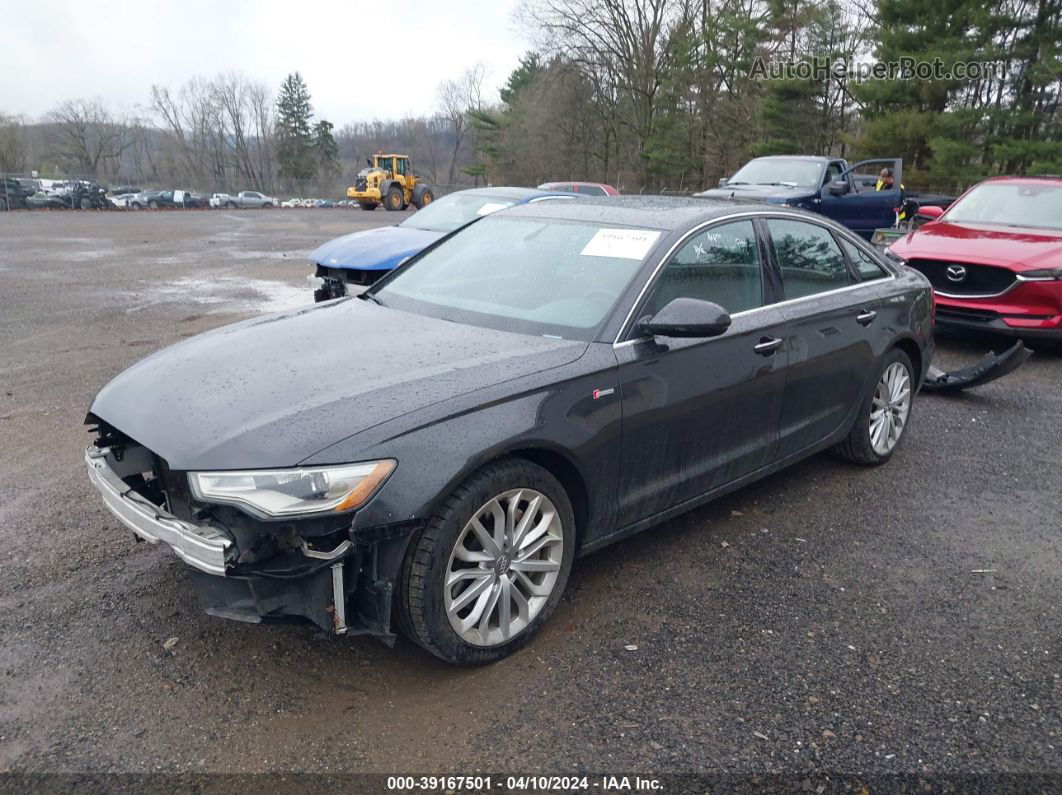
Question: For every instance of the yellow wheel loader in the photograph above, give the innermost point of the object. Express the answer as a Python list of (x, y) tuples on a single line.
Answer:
[(389, 180)]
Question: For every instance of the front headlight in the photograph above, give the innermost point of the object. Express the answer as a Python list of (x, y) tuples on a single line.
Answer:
[(1041, 275), (272, 493)]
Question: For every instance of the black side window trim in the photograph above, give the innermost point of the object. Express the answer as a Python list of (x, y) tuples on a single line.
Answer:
[(853, 271)]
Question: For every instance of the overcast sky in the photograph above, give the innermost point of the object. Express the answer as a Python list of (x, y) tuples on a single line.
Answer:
[(115, 50)]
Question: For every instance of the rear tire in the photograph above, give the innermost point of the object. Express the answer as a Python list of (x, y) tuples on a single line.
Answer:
[(394, 200), (515, 488), (871, 442), (422, 196)]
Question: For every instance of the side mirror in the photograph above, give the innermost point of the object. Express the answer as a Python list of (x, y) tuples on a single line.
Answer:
[(723, 181), (688, 317), (838, 187), (931, 211)]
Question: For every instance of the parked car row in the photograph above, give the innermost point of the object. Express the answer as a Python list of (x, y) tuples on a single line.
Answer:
[(17, 193)]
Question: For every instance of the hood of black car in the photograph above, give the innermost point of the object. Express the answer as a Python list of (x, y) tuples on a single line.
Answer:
[(272, 391)]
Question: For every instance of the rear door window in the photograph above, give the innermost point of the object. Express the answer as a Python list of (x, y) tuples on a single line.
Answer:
[(864, 264), (809, 257)]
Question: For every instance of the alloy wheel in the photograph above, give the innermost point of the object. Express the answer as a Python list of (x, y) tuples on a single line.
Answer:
[(890, 407), (503, 567)]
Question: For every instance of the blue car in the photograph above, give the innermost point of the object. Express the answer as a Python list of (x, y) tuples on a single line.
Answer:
[(357, 260), (850, 194)]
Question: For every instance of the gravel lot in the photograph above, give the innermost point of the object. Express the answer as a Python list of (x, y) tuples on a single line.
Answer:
[(896, 620)]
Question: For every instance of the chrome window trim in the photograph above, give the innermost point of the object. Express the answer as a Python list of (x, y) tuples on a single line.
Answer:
[(625, 327)]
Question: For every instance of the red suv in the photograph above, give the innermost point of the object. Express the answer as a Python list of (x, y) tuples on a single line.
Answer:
[(994, 258)]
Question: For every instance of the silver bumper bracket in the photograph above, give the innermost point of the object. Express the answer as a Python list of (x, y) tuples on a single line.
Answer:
[(205, 548)]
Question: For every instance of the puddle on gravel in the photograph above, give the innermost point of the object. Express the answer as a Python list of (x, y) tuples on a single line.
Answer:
[(227, 294)]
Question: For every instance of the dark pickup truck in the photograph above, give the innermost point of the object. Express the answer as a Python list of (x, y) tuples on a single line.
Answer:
[(827, 185)]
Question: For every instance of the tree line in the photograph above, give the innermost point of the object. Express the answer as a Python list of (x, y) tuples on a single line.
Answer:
[(644, 94)]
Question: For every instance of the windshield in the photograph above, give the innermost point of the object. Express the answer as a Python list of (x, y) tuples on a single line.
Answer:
[(1011, 204), (532, 276), (778, 171), (457, 209)]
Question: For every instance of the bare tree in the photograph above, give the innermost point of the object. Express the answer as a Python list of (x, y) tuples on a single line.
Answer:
[(625, 47), (12, 151), (456, 99), (88, 139)]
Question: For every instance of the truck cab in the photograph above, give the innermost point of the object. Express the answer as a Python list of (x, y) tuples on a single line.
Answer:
[(847, 193)]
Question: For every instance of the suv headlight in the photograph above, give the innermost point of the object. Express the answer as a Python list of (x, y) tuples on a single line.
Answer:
[(1041, 275), (273, 493)]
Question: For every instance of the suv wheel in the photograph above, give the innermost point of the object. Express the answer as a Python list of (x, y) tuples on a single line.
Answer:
[(490, 566), (883, 418)]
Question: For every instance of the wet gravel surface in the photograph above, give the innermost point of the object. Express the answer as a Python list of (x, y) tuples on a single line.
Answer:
[(827, 619)]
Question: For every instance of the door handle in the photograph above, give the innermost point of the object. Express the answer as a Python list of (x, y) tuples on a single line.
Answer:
[(866, 317), (768, 345)]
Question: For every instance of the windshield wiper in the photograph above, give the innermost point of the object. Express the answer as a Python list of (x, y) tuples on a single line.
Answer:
[(727, 185), (367, 296)]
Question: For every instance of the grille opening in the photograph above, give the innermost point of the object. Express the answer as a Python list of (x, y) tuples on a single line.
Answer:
[(138, 467), (987, 280)]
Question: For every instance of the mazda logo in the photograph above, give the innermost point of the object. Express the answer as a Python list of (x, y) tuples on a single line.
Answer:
[(956, 273)]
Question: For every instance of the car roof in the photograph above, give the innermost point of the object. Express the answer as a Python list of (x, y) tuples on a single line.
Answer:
[(653, 212), (512, 192), (547, 185), (809, 158), (1027, 180)]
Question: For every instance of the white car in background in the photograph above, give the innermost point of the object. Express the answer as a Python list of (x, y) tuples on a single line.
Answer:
[(292, 203), (219, 199)]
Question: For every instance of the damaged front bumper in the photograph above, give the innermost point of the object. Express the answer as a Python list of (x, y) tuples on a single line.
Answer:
[(203, 547), (342, 590)]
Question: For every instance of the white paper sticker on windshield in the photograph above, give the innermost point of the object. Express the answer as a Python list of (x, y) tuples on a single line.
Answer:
[(624, 243), (490, 207)]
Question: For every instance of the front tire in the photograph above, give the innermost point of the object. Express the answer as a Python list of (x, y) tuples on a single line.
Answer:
[(368, 205), (884, 416), (490, 565), (394, 199)]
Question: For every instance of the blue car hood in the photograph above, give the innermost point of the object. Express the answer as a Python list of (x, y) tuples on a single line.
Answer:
[(374, 249), (772, 194)]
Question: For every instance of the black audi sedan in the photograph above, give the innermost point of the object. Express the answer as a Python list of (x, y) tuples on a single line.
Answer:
[(433, 455)]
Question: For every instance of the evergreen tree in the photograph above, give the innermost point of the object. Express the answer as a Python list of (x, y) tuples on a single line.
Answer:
[(326, 148), (522, 77), (952, 132), (295, 141)]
